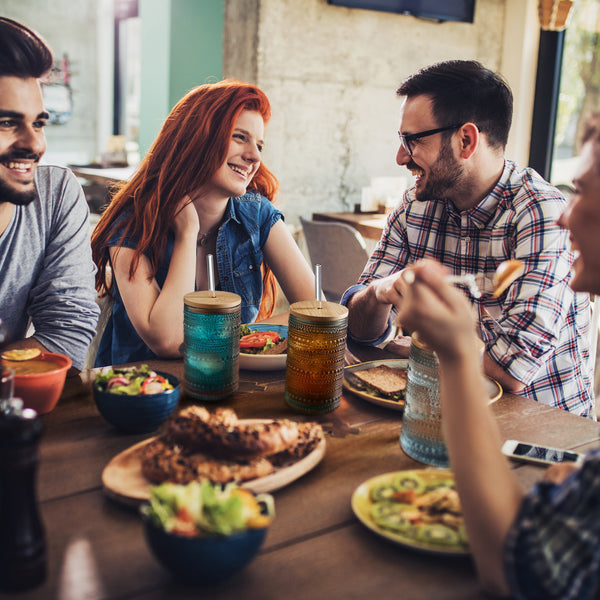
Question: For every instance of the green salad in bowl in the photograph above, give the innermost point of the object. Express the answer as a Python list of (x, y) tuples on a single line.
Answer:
[(136, 399), (203, 508), (131, 381), (205, 532)]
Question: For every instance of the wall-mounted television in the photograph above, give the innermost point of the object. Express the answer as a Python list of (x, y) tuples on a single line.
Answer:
[(439, 10)]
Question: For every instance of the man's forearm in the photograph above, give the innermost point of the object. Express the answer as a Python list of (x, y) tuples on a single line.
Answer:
[(494, 370), (367, 317)]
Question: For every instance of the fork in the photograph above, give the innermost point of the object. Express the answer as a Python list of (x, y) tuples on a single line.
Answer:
[(469, 280)]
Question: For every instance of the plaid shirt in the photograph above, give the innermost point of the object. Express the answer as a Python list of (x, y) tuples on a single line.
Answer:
[(538, 330), (553, 547)]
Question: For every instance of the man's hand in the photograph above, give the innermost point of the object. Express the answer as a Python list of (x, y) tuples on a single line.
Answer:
[(387, 290), (369, 309), (399, 346)]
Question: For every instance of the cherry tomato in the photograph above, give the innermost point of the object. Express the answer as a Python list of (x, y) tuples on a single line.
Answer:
[(258, 339), (183, 524)]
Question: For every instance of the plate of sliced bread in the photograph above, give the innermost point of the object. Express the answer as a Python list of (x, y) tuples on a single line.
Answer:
[(383, 382)]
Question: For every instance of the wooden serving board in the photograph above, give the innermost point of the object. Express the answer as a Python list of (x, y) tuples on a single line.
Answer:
[(123, 481)]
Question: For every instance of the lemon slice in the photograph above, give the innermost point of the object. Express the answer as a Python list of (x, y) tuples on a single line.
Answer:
[(21, 354)]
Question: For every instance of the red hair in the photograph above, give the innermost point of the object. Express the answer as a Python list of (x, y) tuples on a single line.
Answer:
[(191, 146)]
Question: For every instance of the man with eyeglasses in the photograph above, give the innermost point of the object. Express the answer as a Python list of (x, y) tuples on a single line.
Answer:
[(471, 209)]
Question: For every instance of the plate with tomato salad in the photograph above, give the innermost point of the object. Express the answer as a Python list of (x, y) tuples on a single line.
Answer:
[(255, 338)]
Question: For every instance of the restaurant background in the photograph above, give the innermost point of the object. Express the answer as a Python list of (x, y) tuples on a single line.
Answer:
[(330, 73)]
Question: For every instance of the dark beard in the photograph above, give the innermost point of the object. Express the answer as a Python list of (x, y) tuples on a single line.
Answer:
[(9, 193), (443, 177), (12, 196)]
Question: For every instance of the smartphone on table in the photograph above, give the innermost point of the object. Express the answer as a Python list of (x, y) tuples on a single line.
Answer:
[(541, 455)]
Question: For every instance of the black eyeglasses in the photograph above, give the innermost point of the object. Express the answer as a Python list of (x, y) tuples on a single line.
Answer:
[(405, 140)]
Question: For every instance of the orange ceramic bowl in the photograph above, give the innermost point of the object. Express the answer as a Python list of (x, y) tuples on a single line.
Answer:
[(39, 381)]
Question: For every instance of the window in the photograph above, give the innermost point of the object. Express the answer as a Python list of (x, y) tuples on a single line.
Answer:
[(127, 77), (579, 86)]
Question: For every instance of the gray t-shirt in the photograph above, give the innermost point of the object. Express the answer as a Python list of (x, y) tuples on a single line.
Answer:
[(46, 268)]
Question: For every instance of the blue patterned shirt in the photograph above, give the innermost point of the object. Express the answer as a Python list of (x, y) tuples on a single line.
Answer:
[(538, 330), (553, 548)]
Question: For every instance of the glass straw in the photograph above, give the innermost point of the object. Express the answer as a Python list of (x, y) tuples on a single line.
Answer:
[(211, 274), (318, 294)]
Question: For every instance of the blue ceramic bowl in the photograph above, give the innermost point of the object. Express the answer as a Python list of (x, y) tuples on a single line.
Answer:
[(203, 559), (143, 413)]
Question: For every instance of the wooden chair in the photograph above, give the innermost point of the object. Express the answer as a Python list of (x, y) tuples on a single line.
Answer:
[(105, 304)]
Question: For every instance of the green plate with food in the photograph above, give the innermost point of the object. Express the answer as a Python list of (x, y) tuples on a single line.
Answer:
[(263, 347), (418, 509), (383, 382)]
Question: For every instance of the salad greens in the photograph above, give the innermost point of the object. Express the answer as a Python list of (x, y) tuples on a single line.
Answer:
[(246, 330), (203, 508), (131, 381)]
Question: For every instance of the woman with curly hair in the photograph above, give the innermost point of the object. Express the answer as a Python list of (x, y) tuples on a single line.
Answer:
[(201, 189)]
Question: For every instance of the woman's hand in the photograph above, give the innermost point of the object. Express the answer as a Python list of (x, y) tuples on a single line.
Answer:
[(186, 222), (438, 311), (559, 472)]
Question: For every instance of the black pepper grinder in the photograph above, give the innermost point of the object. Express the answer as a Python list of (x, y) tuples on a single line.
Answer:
[(22, 539)]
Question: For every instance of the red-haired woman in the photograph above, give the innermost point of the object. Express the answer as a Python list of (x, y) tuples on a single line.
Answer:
[(201, 189)]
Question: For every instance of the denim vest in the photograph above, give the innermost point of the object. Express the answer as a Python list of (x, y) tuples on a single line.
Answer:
[(240, 240)]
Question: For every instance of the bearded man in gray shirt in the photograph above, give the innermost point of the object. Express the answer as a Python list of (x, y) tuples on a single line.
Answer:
[(46, 268)]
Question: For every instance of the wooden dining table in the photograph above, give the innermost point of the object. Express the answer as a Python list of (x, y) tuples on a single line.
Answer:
[(315, 549), (369, 225), (107, 176)]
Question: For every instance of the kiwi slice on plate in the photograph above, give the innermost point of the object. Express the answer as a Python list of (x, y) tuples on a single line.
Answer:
[(437, 534), (410, 481), (390, 515), (440, 483), (382, 492)]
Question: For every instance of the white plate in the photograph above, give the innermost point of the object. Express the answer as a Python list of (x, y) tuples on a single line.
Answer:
[(122, 478), (265, 362), (494, 389)]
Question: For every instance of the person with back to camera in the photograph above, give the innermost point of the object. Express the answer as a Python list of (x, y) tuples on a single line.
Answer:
[(201, 189), (544, 544), (46, 268), (472, 209)]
